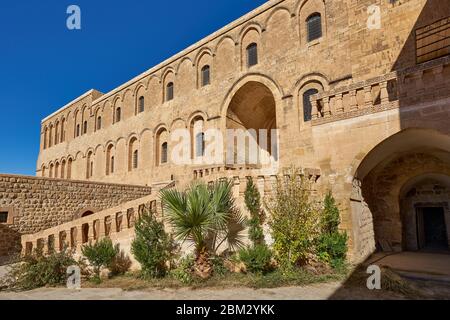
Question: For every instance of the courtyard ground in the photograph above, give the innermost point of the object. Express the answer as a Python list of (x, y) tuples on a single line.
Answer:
[(426, 276)]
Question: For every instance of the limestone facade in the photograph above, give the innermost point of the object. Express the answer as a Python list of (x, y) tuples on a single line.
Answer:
[(379, 99)]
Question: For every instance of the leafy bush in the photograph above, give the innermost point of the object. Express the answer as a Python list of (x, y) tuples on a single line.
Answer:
[(218, 266), (183, 271), (152, 246), (120, 264), (332, 248), (332, 244), (257, 259), (38, 270), (101, 254), (295, 219)]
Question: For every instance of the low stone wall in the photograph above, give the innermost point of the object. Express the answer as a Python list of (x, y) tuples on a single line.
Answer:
[(35, 204), (116, 223)]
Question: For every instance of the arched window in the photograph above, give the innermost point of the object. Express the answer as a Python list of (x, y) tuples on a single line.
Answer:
[(314, 26), (141, 107), (135, 159), (69, 168), (57, 133), (169, 91), (89, 166), (206, 76), (50, 137), (164, 152), (112, 164), (78, 130), (85, 127), (252, 55), (307, 106), (45, 137), (200, 144), (63, 169), (99, 123), (118, 114), (63, 132)]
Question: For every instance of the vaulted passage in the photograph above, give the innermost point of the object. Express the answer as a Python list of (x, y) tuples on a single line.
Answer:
[(253, 107), (404, 187)]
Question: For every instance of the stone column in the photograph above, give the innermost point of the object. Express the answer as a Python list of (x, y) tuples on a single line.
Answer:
[(326, 107), (339, 107), (384, 94), (353, 101), (368, 96)]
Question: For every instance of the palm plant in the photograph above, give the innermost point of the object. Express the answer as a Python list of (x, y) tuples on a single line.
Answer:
[(207, 217)]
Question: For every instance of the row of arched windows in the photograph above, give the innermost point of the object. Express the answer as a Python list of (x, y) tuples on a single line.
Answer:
[(56, 135), (62, 169)]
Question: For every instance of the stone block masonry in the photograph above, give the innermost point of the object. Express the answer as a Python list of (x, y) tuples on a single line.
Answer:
[(30, 204)]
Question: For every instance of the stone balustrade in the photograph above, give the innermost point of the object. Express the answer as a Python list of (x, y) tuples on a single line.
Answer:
[(240, 175), (425, 82), (355, 100), (116, 223)]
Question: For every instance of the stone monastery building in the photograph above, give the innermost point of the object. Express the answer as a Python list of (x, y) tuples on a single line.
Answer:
[(359, 91)]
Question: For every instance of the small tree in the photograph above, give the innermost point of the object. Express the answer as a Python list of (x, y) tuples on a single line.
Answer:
[(295, 219), (257, 258), (152, 246), (207, 217), (253, 204), (101, 254), (332, 244)]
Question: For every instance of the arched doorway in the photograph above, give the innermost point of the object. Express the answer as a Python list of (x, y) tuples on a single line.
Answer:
[(250, 119), (401, 194)]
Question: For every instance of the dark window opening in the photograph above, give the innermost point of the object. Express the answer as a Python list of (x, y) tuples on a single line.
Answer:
[(206, 76), (314, 26), (112, 164), (99, 123), (164, 150), (135, 159), (169, 91), (307, 106), (85, 127), (141, 105), (3, 217), (252, 55), (118, 114)]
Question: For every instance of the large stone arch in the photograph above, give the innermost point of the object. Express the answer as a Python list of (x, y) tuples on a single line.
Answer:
[(252, 104), (382, 207)]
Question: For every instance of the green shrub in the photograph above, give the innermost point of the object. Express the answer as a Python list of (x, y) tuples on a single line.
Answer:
[(295, 219), (332, 248), (218, 266), (332, 244), (253, 204), (152, 246), (101, 254), (183, 271), (38, 270), (257, 259)]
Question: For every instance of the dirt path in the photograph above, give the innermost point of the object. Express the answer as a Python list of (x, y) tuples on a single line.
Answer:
[(313, 292)]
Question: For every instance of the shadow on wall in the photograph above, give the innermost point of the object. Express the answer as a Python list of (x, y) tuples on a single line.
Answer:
[(10, 245), (421, 148)]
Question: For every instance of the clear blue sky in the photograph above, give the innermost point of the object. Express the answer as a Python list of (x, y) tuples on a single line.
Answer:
[(43, 65)]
